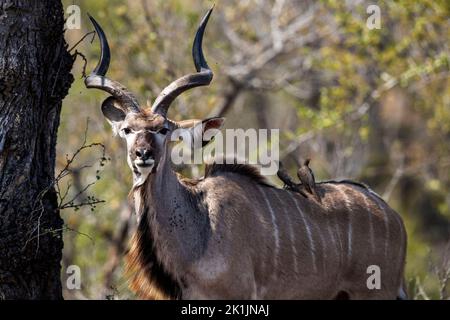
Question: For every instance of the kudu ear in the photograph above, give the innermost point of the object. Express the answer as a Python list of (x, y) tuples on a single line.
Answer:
[(213, 123), (197, 133), (205, 130), (113, 112)]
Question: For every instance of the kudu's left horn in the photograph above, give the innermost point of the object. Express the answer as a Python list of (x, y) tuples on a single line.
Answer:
[(203, 76), (98, 80)]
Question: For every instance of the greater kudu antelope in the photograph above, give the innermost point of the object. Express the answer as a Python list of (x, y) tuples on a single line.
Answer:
[(233, 235)]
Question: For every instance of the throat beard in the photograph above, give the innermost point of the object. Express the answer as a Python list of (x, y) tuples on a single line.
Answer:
[(140, 175)]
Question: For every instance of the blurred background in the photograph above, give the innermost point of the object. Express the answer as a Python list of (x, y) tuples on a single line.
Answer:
[(367, 105)]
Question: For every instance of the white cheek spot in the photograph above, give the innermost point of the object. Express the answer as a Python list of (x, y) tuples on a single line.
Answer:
[(131, 139)]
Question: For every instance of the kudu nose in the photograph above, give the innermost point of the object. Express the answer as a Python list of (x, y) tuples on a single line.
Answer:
[(143, 154)]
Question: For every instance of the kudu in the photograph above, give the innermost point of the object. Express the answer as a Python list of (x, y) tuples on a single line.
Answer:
[(232, 235)]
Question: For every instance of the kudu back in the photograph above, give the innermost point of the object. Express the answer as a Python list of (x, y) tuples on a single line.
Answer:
[(232, 235)]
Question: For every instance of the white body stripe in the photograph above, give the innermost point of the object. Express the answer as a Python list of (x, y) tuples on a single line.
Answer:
[(275, 227), (371, 231), (350, 234), (347, 201), (386, 225), (347, 204), (402, 237), (381, 204), (308, 233), (330, 232), (338, 230), (324, 249), (291, 234)]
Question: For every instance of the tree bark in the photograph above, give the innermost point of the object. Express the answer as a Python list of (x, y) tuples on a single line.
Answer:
[(34, 78)]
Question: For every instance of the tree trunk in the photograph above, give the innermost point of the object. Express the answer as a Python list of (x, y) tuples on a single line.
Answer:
[(34, 78)]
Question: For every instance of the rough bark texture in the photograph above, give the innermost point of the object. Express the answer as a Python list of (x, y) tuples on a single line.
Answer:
[(34, 78)]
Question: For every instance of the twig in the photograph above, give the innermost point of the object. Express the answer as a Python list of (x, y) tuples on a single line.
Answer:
[(82, 38), (83, 70), (394, 180), (277, 37), (64, 228), (92, 201), (420, 291)]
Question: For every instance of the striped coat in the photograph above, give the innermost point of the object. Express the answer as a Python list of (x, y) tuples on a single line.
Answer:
[(254, 241)]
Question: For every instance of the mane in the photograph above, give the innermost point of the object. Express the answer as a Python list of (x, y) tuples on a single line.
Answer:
[(247, 170), (354, 183), (146, 275), (346, 181), (191, 182)]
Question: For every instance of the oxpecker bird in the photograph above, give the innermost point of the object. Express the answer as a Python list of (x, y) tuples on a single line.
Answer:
[(289, 184), (306, 177)]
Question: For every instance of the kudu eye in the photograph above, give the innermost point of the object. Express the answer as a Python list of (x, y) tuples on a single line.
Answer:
[(163, 130), (126, 130)]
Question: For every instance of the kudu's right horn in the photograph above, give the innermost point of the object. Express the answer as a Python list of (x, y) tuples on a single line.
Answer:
[(98, 80), (203, 76)]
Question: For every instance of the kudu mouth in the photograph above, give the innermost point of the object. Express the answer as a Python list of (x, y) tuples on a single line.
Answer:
[(144, 163), (141, 170)]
